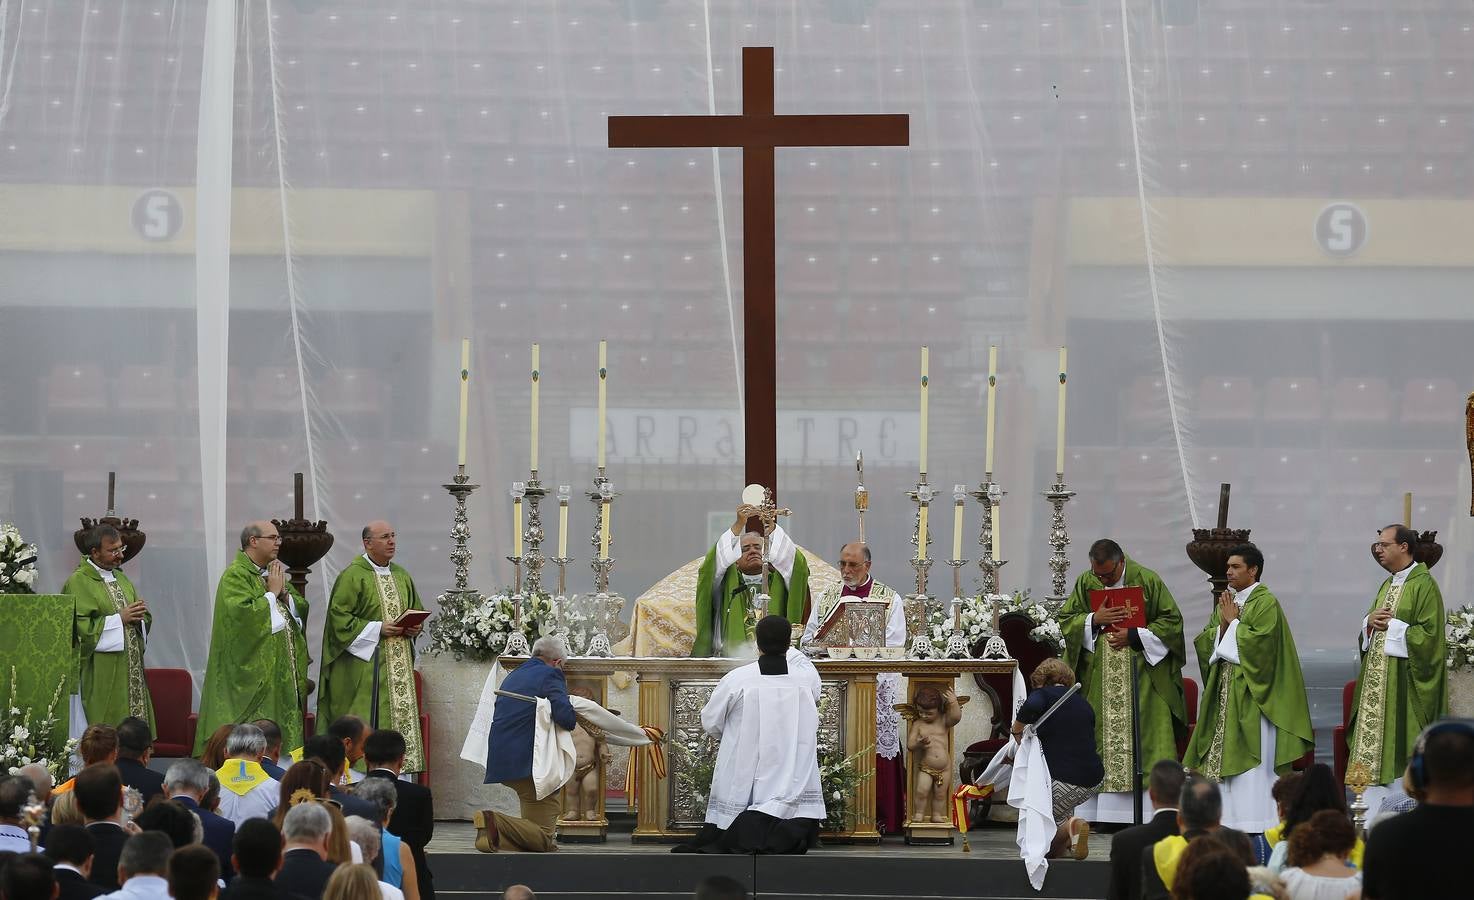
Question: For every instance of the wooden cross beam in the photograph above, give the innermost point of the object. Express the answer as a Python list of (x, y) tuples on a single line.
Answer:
[(758, 131)]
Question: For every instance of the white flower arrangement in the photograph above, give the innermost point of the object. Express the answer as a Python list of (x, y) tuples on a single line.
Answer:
[(977, 619), (477, 627), (16, 578), (29, 736), (1459, 631)]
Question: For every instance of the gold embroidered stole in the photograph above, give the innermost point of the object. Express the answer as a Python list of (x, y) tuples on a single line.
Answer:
[(133, 648), (398, 667), (283, 601), (1212, 767), (1115, 706), (1371, 712)]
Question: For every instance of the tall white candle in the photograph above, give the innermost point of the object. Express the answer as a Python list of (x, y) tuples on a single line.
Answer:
[(603, 382), (604, 530), (517, 526), (992, 407), (1059, 438), (921, 534), (996, 533), (925, 383), (465, 398), (957, 530), (536, 378), (562, 528)]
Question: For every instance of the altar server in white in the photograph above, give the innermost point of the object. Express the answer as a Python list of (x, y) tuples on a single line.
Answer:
[(765, 794)]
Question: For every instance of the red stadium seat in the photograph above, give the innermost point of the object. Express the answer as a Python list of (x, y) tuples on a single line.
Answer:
[(1341, 749)]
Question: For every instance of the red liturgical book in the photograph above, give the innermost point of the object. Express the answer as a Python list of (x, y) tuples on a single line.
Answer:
[(1130, 597), (413, 617)]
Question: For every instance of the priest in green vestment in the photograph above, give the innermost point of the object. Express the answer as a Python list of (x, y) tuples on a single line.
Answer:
[(1103, 653), (257, 667), (368, 596), (731, 578), (1254, 720), (1403, 686), (112, 628)]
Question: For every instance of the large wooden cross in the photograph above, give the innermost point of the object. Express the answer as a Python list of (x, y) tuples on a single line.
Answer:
[(758, 131)]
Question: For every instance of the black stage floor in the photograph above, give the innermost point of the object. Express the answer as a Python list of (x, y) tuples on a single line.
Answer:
[(620, 868)]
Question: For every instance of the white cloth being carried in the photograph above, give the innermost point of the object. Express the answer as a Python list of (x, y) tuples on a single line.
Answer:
[(1021, 769), (769, 730)]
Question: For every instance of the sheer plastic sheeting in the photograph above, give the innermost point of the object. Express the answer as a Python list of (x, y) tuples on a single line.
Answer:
[(1239, 217)]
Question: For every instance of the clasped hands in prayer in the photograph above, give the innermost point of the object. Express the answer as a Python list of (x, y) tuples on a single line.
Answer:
[(1378, 620), (133, 612)]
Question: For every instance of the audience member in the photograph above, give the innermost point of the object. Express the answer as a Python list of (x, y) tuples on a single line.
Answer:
[(143, 868), (399, 860), (1164, 787), (352, 882), (64, 810), (41, 778), (27, 876), (98, 744), (15, 791), (256, 858), (171, 819), (414, 815), (99, 795), (247, 791), (1316, 790), (213, 756), (1211, 869), (135, 749), (1199, 813), (1068, 739), (187, 782), (271, 756), (194, 874), (69, 847), (1423, 854), (1318, 857), (366, 835), (331, 754), (305, 868), (521, 892), (350, 732)]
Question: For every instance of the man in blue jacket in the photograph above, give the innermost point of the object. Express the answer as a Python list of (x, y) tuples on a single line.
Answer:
[(509, 753)]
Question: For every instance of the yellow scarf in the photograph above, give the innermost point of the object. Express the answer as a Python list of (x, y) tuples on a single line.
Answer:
[(241, 776), (1166, 853)]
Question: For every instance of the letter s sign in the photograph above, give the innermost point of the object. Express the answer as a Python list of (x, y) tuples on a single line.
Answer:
[(157, 215), (1341, 229)]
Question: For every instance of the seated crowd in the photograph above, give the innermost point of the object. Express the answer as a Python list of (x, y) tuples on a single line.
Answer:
[(234, 825)]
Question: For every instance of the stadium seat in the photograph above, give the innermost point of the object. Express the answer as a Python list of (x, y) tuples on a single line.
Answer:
[(1341, 749)]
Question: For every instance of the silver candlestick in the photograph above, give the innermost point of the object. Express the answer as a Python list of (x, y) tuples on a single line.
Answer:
[(921, 643), (989, 494), (1059, 494), (957, 642), (602, 496), (460, 530), (532, 538), (1059, 538)]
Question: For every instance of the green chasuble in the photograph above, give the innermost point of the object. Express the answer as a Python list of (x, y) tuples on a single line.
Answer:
[(1397, 698), (113, 685), (1105, 676), (361, 596), (1266, 680), (737, 613), (251, 673)]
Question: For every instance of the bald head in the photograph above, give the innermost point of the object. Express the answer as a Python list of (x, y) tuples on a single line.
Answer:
[(379, 542), (40, 778), (519, 892), (260, 541)]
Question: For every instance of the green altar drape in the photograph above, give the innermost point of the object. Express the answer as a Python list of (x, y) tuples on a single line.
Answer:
[(36, 640)]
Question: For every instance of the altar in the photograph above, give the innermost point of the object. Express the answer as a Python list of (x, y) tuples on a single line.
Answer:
[(672, 691)]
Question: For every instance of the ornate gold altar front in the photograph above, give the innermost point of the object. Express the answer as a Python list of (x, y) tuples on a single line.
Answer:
[(673, 691)]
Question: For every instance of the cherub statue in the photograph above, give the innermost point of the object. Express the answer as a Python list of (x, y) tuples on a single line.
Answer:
[(581, 794), (932, 714)]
